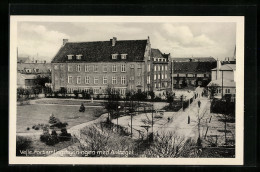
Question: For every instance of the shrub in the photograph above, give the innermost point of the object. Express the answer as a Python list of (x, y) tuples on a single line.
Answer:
[(64, 135), (28, 128), (44, 137), (22, 143), (59, 125)]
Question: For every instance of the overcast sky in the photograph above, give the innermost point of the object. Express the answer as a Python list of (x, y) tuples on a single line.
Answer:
[(180, 39)]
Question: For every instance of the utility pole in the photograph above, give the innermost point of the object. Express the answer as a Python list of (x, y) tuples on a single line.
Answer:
[(152, 122), (131, 124), (222, 86)]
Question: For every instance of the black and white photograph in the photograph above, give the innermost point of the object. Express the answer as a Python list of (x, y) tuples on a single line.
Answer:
[(126, 90)]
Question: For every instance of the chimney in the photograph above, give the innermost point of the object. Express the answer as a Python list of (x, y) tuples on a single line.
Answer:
[(35, 61), (65, 41), (114, 41), (44, 61)]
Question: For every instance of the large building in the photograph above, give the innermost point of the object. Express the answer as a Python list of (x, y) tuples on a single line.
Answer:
[(195, 71), (224, 76), (120, 64)]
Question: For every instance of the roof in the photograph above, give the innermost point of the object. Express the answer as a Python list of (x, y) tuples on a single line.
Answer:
[(23, 59), (226, 83), (157, 53), (230, 67), (43, 67), (102, 51), (187, 59), (193, 67)]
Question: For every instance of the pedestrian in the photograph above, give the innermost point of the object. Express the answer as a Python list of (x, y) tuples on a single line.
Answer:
[(199, 103), (188, 119), (169, 119)]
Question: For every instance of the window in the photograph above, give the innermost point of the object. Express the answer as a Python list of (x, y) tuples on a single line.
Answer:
[(139, 74), (162, 76), (166, 68), (159, 68), (132, 66), (95, 80), (131, 87), (159, 76), (104, 80), (105, 68), (70, 57), (148, 79), (69, 79), (132, 78), (78, 68), (87, 80), (36, 70), (165, 76), (227, 90), (122, 91), (123, 80), (78, 79), (138, 83), (114, 56), (155, 67), (87, 68), (139, 66), (148, 68), (95, 68), (162, 68), (149, 57), (165, 84), (114, 69), (159, 85), (155, 86), (155, 77), (113, 80), (96, 90), (78, 57), (56, 67), (123, 56), (123, 68)]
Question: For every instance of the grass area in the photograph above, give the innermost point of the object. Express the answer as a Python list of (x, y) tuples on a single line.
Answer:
[(29, 115)]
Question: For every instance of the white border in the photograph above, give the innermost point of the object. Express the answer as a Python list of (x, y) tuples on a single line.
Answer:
[(238, 160)]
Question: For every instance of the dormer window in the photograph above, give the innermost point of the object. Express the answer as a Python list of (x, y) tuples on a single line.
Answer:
[(114, 56), (123, 56), (70, 57), (78, 57)]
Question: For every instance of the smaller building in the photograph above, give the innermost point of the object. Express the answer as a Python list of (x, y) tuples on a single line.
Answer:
[(192, 72), (224, 77)]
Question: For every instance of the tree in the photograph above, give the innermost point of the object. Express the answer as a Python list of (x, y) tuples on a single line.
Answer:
[(213, 90), (112, 103), (184, 82), (63, 91), (76, 93), (152, 94), (40, 82)]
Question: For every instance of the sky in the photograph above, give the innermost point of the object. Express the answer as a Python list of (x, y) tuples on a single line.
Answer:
[(42, 40)]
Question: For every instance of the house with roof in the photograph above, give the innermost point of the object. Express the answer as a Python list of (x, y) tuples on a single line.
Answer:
[(224, 76), (120, 64), (192, 71), (159, 71), (28, 72)]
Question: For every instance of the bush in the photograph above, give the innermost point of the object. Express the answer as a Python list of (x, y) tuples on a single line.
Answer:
[(44, 137), (28, 128), (64, 135), (59, 125), (50, 139), (22, 143)]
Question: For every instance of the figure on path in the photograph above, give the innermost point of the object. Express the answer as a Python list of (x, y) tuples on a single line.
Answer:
[(82, 108)]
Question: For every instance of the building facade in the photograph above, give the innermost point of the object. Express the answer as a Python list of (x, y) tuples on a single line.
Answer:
[(120, 64), (224, 76), (195, 71)]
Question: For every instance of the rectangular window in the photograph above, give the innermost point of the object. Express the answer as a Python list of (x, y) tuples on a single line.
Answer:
[(78, 79), (155, 86), (166, 68), (86, 68), (105, 68), (78, 68), (165, 76), (123, 80), (70, 57), (95, 68), (78, 57), (104, 80), (138, 83), (132, 66), (114, 69), (148, 68), (87, 80), (69, 79), (159, 76), (155, 77), (132, 78), (131, 87), (95, 80), (148, 79), (159, 85), (162, 76), (166, 84), (139, 66), (155, 67), (123, 68), (122, 91), (96, 90), (123, 56), (113, 80), (114, 56)]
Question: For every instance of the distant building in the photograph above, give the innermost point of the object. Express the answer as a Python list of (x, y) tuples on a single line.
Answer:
[(224, 76), (195, 71), (159, 71), (27, 72), (23, 59)]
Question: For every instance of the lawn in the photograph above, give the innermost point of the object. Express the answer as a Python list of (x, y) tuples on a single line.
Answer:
[(68, 102), (29, 115)]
